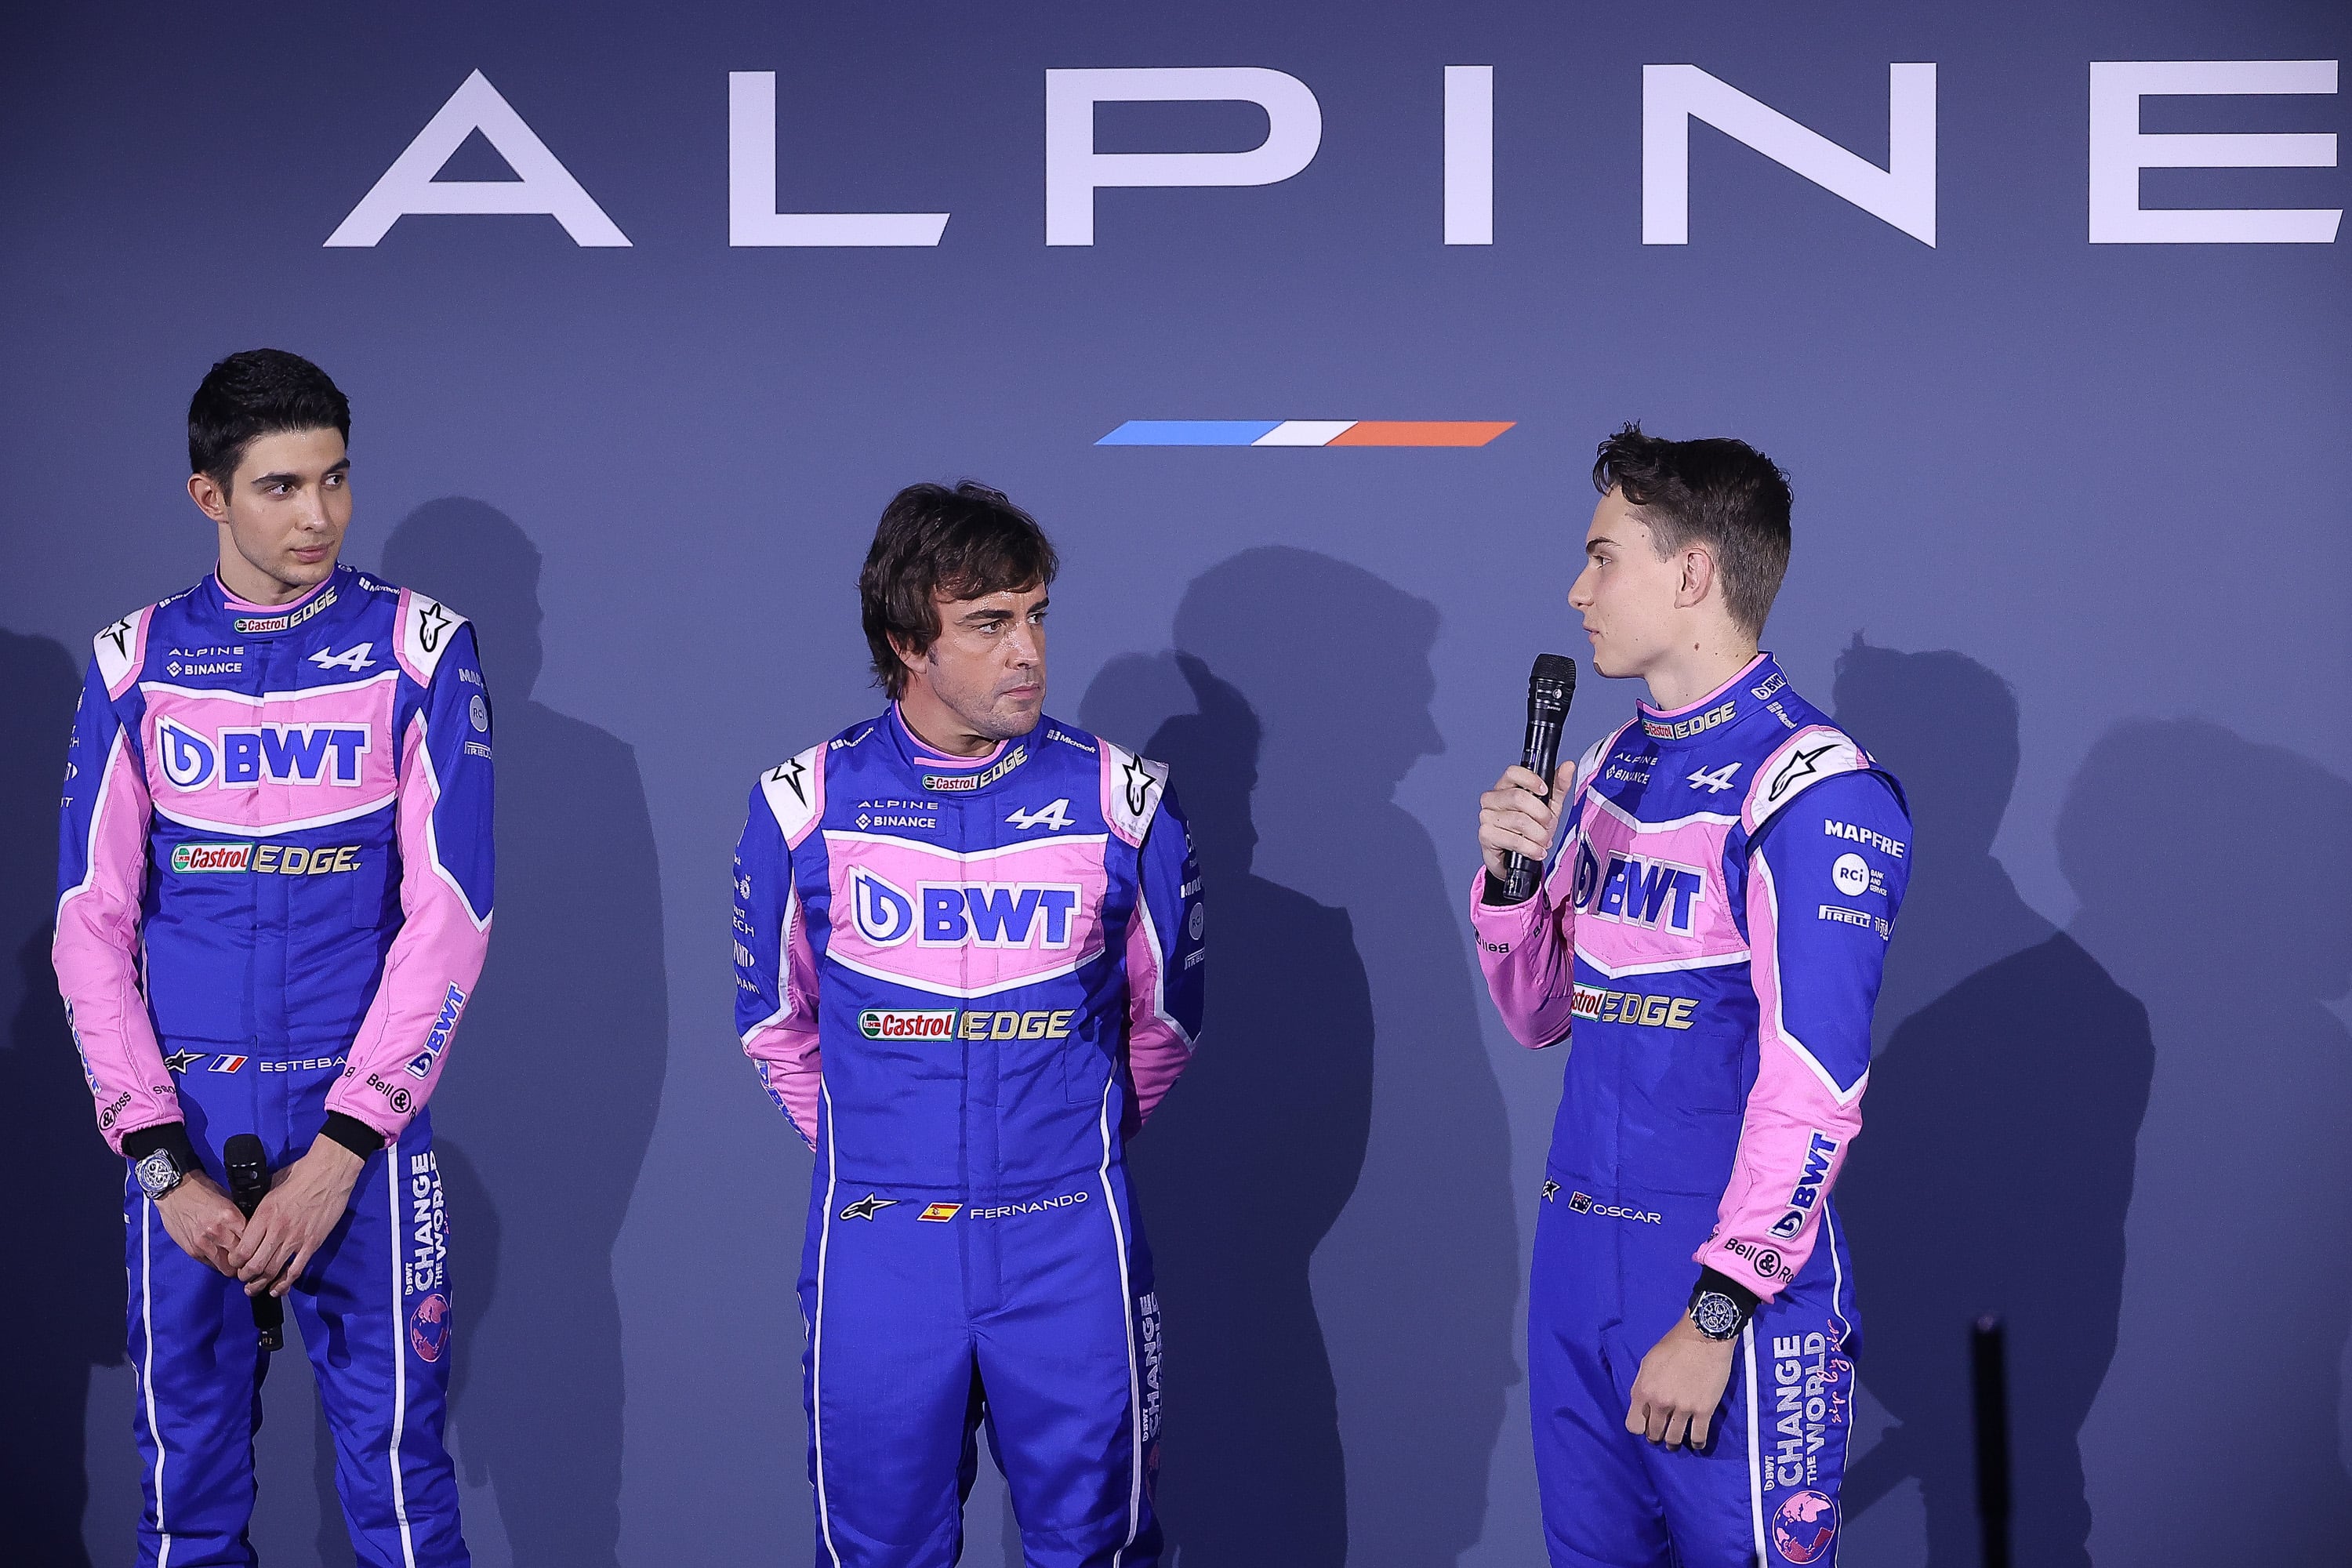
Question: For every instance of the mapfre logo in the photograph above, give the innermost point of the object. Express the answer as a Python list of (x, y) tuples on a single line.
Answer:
[(1658, 895), (246, 756)]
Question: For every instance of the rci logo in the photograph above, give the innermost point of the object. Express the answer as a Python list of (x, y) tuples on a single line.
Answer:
[(1656, 894), (244, 756)]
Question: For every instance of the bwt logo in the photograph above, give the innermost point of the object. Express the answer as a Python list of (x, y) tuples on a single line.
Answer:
[(1635, 892), (963, 914), (245, 756), (1808, 1191)]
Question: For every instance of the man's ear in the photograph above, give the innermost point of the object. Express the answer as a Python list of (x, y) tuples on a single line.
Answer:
[(1697, 577), (210, 499), (908, 659)]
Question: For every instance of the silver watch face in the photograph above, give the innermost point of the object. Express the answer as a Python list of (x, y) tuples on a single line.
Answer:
[(1717, 1315), (157, 1173)]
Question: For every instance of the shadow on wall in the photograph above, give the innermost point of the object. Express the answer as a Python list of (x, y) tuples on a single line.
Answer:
[(1251, 1158), (2223, 1422), (549, 1103), (65, 1315), (1995, 1166), (1415, 1282)]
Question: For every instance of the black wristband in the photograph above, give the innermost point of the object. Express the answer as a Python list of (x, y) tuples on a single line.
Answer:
[(1725, 1285), (1498, 895), (352, 1133), (170, 1136)]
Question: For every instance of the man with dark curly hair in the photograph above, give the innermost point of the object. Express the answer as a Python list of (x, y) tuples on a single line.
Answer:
[(968, 952)]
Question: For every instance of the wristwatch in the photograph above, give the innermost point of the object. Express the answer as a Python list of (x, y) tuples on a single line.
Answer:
[(1717, 1315), (158, 1172)]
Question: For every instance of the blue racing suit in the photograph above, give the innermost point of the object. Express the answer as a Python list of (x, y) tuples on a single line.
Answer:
[(1712, 925), (274, 899), (966, 980)]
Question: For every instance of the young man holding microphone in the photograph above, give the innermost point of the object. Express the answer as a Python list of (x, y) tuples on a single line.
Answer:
[(1711, 925)]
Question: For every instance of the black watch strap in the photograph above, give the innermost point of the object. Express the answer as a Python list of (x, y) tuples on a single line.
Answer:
[(169, 1136), (1721, 1306)]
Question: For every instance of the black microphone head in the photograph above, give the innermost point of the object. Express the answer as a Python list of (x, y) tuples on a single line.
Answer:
[(1552, 683), (245, 1149)]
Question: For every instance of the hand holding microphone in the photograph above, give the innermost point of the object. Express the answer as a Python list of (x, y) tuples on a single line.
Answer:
[(248, 1183), (1517, 817)]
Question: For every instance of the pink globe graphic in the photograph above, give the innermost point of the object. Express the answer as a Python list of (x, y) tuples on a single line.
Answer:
[(1804, 1525)]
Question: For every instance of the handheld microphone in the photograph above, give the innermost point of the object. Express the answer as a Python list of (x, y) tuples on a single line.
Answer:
[(1551, 686), (248, 1183)]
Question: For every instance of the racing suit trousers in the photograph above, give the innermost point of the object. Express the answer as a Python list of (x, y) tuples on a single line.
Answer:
[(926, 1319), (372, 1311), (1611, 1273)]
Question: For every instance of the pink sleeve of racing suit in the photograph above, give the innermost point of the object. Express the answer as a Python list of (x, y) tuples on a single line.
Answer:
[(102, 876), (443, 825), (775, 967), (1165, 958), (1528, 950), (1824, 887)]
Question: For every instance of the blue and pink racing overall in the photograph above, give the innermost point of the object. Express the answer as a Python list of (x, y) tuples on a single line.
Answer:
[(1711, 930), (967, 981), (274, 899)]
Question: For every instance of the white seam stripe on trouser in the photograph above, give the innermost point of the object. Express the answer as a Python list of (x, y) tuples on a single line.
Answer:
[(816, 1330), (1127, 1318), (1755, 1454), (147, 1372), (399, 1352)]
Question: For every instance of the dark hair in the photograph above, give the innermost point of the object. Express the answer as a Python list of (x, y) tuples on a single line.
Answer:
[(261, 392), (1718, 492), (964, 543)]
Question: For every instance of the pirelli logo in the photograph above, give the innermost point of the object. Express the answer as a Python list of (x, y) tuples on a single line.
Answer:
[(1632, 1007)]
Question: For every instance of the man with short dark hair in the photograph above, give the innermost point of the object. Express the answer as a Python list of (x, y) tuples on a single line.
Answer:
[(274, 899), (968, 954), (1712, 923)]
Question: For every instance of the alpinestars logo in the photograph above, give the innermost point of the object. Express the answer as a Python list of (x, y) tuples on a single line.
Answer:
[(791, 774), (1800, 765), (1139, 784)]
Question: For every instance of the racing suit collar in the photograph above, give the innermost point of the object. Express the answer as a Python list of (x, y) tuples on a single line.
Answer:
[(1751, 690), (957, 775), (245, 618)]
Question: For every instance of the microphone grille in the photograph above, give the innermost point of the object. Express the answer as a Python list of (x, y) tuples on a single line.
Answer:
[(1554, 669)]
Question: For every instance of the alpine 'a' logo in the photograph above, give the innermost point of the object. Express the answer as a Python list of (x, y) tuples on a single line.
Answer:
[(1056, 816), (883, 914)]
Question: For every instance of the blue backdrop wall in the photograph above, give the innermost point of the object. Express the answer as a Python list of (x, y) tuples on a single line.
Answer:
[(2071, 554)]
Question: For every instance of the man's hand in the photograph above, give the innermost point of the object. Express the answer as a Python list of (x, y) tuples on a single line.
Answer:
[(306, 1201), (1680, 1385), (201, 1218), (1516, 815)]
